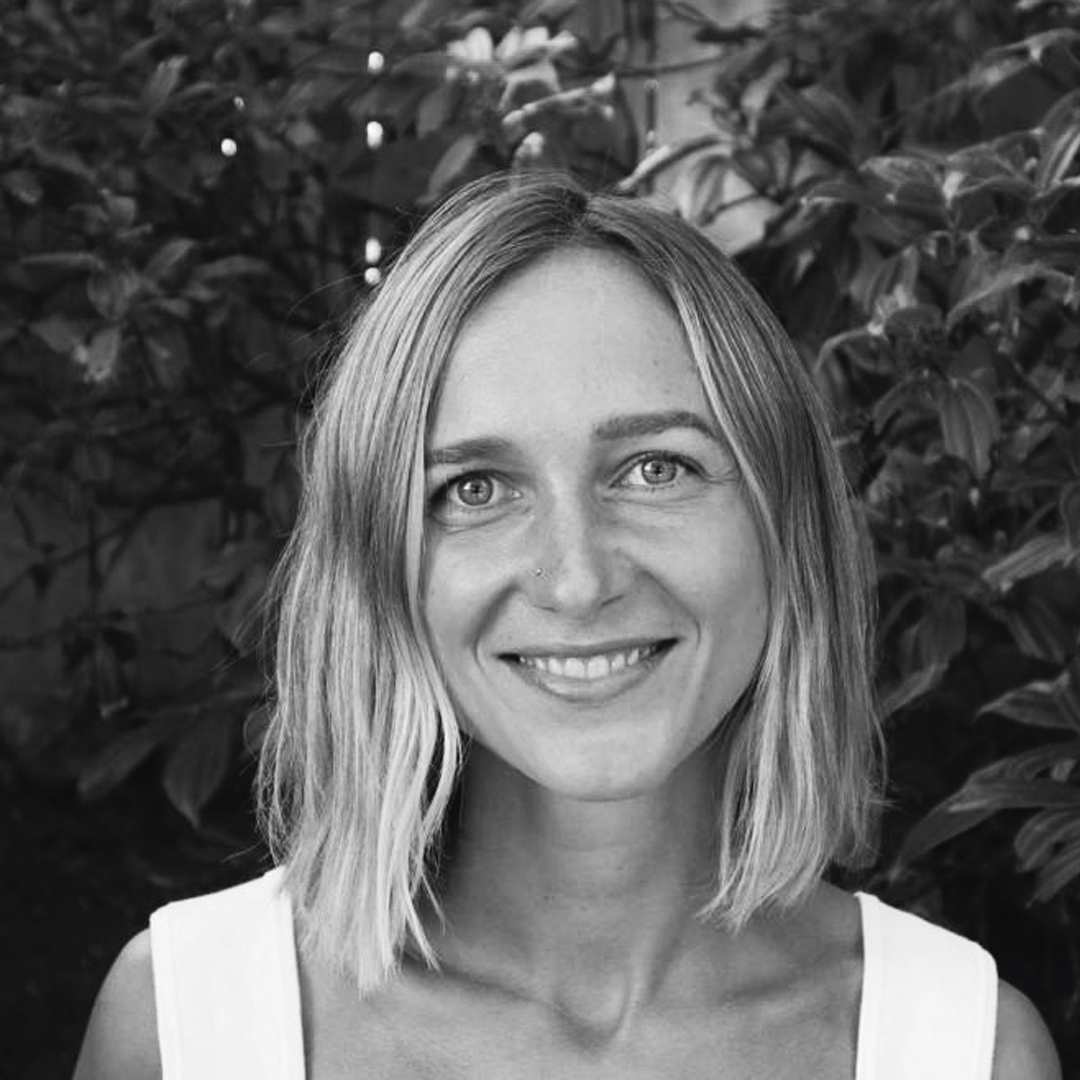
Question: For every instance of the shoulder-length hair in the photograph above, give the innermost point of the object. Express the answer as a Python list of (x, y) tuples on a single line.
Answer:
[(363, 750)]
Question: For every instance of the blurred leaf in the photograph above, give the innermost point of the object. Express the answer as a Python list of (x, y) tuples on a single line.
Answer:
[(946, 821), (100, 358), (1006, 794), (459, 153), (24, 185), (1043, 703), (1033, 557), (113, 290), (1037, 629), (231, 266), (1062, 869), (990, 286), (197, 764), (119, 759), (910, 688), (60, 333), (168, 257), (162, 82), (969, 422), (1041, 834)]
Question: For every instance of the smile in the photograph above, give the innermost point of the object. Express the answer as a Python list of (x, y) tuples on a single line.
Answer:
[(592, 667)]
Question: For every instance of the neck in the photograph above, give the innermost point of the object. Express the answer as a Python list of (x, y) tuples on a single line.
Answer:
[(586, 906)]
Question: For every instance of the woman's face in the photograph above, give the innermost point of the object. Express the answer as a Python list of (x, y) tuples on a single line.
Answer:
[(594, 587)]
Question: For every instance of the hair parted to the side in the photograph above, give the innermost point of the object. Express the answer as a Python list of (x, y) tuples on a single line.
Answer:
[(363, 749)]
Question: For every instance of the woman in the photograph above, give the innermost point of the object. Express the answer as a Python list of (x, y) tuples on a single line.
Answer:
[(572, 706)]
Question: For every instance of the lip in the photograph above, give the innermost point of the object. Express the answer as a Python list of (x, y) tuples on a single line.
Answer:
[(584, 649), (590, 691)]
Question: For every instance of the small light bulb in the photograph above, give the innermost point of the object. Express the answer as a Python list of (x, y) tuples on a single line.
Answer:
[(239, 104), (372, 275), (375, 62), (229, 147), (375, 134), (372, 251)]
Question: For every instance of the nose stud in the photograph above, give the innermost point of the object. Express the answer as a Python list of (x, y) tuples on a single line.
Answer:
[(538, 572)]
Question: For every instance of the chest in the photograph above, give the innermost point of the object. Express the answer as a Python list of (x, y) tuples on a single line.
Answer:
[(782, 1038)]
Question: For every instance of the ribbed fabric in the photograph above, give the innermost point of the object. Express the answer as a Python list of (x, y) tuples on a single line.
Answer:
[(227, 986), (929, 1000), (228, 992)]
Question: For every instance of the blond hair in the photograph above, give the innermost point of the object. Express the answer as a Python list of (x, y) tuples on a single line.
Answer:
[(363, 750)]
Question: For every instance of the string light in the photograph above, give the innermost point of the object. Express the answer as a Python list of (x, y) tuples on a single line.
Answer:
[(372, 251), (229, 147), (375, 134), (372, 276), (375, 62)]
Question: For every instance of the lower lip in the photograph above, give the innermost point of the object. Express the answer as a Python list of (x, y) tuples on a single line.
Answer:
[(590, 690)]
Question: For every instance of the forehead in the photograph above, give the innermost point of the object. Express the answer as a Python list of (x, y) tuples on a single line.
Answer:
[(572, 339)]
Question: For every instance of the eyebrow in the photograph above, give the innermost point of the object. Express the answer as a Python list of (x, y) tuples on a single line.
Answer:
[(631, 426)]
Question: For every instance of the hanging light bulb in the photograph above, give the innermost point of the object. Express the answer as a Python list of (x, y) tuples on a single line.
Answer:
[(229, 147), (375, 62), (372, 251), (375, 134)]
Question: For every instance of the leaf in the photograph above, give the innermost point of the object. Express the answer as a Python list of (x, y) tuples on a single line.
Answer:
[(197, 764), (910, 688), (24, 185), (993, 284), (1008, 794), (946, 821), (62, 260), (969, 422), (1038, 554), (168, 257), (1059, 155), (457, 156), (1037, 629), (162, 82), (113, 290), (100, 358), (232, 266), (1039, 835), (1061, 870), (118, 760), (1042, 703), (60, 333)]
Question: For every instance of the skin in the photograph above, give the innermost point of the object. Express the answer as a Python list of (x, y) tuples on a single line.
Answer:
[(570, 946)]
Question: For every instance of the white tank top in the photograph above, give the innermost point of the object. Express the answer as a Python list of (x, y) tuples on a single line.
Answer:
[(228, 992)]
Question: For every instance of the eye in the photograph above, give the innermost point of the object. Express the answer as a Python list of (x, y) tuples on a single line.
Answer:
[(655, 470), (471, 493)]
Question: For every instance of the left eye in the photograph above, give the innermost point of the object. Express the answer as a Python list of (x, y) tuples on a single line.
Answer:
[(656, 470)]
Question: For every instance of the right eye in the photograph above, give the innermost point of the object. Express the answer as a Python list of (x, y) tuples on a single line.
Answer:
[(471, 493)]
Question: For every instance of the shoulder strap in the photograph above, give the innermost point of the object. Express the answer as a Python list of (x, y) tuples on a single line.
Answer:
[(929, 1000), (226, 985)]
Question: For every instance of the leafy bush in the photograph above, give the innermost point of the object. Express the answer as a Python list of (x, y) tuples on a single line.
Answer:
[(190, 205)]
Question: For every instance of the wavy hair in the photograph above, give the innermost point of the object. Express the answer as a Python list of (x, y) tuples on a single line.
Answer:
[(363, 751)]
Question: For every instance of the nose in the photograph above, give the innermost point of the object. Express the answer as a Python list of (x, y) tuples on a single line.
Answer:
[(576, 567)]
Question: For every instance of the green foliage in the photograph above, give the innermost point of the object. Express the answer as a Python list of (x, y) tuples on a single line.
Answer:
[(191, 195), (921, 171)]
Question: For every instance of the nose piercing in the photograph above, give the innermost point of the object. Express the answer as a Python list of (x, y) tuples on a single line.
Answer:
[(538, 572)]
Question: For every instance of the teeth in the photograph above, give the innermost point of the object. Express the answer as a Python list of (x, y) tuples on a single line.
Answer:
[(587, 668)]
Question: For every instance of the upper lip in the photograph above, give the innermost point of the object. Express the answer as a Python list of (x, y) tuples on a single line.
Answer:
[(593, 648)]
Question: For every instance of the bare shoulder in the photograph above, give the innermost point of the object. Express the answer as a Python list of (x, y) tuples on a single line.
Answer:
[(1023, 1049), (121, 1037)]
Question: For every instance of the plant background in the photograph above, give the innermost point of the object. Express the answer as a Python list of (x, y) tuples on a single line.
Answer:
[(193, 195)]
